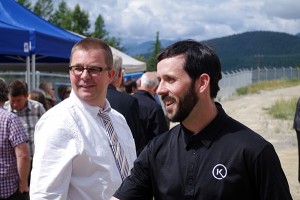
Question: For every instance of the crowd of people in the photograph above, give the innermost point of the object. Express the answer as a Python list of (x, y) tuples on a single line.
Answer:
[(106, 138)]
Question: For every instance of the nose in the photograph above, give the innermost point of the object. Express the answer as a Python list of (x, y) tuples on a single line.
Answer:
[(14, 105), (161, 88), (85, 74)]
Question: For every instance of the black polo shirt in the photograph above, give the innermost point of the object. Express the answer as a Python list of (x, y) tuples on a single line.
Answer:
[(226, 160)]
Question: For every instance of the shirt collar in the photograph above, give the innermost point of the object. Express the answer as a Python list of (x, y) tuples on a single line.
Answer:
[(28, 106), (94, 110), (208, 134)]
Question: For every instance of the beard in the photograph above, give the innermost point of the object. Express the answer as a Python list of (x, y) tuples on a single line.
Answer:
[(185, 105)]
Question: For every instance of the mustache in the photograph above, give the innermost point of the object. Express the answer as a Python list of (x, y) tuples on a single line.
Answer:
[(163, 97)]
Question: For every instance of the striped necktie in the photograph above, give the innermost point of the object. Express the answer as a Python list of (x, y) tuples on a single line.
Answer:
[(116, 148)]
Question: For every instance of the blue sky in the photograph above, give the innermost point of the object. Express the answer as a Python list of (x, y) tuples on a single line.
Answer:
[(139, 20)]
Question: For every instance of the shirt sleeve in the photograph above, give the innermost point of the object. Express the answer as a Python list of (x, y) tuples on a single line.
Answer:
[(52, 163), (270, 180), (138, 185), (17, 131)]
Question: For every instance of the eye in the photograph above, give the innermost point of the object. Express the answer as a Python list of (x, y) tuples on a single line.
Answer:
[(95, 69), (78, 69), (169, 79)]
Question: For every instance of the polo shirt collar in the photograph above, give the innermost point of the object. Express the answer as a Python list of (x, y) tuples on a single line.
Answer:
[(208, 134)]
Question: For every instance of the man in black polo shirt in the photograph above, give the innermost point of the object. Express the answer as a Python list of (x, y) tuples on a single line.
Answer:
[(208, 156)]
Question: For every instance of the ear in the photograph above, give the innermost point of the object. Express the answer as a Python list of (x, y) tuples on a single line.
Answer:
[(202, 83), (111, 74)]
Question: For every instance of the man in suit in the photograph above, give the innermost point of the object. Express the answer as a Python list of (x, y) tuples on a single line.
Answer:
[(126, 104), (296, 126), (151, 113)]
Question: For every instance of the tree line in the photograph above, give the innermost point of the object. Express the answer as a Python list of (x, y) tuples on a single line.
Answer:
[(77, 20)]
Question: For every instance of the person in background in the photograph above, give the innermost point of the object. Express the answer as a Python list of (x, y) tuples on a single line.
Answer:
[(84, 148), (296, 126), (49, 90), (64, 92), (14, 154), (130, 86), (126, 104), (152, 116), (208, 155), (30, 111), (39, 96)]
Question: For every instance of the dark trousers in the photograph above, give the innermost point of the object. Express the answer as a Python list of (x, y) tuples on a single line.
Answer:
[(17, 196), (298, 139)]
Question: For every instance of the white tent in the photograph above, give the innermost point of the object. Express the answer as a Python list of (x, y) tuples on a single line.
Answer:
[(130, 64)]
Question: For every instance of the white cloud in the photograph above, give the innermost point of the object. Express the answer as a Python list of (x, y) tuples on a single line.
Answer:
[(197, 19)]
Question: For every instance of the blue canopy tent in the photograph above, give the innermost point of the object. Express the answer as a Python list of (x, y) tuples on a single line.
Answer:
[(17, 46), (25, 37)]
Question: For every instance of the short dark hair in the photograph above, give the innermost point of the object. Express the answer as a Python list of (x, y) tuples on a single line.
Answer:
[(3, 91), (97, 44), (199, 59), (128, 85), (17, 88)]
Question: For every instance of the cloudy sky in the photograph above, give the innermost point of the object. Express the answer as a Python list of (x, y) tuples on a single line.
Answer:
[(139, 20)]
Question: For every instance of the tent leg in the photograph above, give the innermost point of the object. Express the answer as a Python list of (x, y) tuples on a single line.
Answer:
[(27, 74), (33, 71)]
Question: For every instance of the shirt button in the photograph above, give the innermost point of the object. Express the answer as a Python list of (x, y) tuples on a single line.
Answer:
[(194, 152)]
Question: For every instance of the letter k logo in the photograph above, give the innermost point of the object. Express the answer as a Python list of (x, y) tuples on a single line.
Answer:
[(219, 171)]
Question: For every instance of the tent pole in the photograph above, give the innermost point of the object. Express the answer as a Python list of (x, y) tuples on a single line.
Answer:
[(33, 71), (27, 75)]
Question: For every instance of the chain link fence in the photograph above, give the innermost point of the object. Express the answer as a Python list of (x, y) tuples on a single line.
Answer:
[(228, 84), (244, 77)]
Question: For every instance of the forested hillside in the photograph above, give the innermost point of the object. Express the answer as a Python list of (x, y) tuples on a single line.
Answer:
[(246, 50), (268, 49)]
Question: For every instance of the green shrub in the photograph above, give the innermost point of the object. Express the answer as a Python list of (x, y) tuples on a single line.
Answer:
[(283, 109)]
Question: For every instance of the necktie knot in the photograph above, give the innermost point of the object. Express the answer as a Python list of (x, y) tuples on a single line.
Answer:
[(104, 115)]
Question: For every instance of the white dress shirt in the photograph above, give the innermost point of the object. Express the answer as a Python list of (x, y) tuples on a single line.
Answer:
[(73, 159)]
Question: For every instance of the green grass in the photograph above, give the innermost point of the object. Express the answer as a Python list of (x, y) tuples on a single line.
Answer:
[(267, 85), (283, 109)]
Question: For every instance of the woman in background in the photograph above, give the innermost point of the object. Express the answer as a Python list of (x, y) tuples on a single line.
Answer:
[(63, 92)]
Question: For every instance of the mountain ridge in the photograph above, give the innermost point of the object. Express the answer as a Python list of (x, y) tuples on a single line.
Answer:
[(245, 50)]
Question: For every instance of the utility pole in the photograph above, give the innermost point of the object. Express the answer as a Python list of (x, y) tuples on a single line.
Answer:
[(258, 57)]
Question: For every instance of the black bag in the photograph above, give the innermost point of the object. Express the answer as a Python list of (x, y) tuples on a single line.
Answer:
[(296, 124)]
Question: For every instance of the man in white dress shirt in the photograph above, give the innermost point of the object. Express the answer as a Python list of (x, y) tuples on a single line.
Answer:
[(73, 158)]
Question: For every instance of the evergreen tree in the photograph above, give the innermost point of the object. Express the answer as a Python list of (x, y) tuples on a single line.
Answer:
[(44, 8), (152, 61), (81, 22), (99, 31), (62, 17)]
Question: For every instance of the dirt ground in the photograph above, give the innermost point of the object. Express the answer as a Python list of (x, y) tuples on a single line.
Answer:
[(250, 110)]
